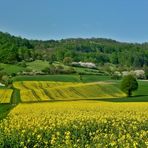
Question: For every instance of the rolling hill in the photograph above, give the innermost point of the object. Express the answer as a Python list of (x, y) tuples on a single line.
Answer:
[(36, 91)]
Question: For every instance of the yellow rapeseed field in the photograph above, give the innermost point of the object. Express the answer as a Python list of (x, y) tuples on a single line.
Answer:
[(5, 95), (46, 90), (76, 124)]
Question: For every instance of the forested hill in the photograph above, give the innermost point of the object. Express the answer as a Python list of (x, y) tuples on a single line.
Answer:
[(15, 49)]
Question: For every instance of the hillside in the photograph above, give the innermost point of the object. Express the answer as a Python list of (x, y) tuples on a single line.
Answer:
[(100, 51), (36, 91)]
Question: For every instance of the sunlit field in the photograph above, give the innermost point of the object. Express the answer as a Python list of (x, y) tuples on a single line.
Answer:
[(5, 95), (46, 90), (75, 115), (76, 124)]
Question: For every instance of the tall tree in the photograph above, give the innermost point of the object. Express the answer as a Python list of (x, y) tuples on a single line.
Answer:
[(129, 84)]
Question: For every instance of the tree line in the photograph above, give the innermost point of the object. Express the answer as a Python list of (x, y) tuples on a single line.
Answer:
[(97, 50)]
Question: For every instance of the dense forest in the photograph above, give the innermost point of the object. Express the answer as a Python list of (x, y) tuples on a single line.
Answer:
[(100, 51)]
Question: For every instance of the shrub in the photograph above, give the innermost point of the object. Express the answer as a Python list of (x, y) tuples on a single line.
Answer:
[(146, 71), (22, 64), (5, 80), (46, 70), (13, 74), (67, 60), (116, 75)]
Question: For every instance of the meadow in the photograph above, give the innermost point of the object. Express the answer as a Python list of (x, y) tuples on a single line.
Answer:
[(9, 68), (63, 78), (40, 65)]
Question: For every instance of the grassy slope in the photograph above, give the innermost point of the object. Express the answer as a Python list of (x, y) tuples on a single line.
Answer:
[(38, 65), (9, 68), (63, 78), (141, 95), (4, 110), (94, 78), (15, 97), (143, 88), (83, 70)]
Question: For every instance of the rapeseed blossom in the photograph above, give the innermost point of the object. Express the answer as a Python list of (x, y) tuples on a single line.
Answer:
[(76, 124)]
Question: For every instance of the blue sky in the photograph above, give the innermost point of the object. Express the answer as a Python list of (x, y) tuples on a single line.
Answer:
[(123, 20)]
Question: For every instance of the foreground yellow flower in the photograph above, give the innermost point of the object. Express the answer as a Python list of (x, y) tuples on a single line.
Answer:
[(76, 124)]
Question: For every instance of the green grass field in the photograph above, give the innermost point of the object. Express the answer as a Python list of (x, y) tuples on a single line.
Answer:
[(9, 68), (5, 109), (82, 70), (141, 95), (63, 78), (37, 65), (60, 78)]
